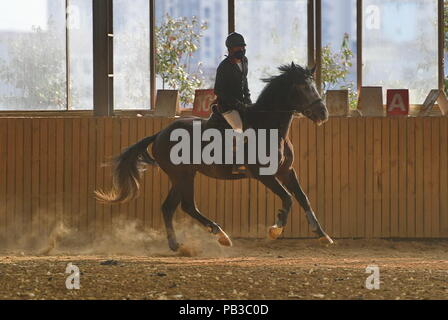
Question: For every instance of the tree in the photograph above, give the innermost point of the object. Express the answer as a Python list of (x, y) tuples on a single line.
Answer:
[(177, 40), (336, 67), (36, 68)]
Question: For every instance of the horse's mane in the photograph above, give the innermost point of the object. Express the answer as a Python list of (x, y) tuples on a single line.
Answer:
[(273, 92)]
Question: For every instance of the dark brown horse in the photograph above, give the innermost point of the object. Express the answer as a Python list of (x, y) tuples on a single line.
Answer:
[(293, 91)]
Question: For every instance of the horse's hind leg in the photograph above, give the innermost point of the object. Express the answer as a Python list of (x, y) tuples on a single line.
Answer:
[(168, 208), (291, 182), (189, 206)]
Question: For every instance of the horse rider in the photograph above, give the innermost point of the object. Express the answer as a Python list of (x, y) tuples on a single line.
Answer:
[(231, 86)]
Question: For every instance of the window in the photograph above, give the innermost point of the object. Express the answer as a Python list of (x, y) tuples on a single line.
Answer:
[(400, 46), (36, 73), (33, 55), (275, 33), (194, 67), (79, 24), (339, 43), (132, 89)]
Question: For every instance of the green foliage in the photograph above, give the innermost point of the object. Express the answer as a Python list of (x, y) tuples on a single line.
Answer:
[(336, 67), (177, 40), (36, 69)]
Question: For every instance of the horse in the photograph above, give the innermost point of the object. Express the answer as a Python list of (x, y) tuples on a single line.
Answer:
[(292, 91)]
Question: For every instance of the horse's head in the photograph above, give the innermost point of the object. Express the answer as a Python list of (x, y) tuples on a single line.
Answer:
[(303, 95)]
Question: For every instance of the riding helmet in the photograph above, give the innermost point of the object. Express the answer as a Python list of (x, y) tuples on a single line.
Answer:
[(235, 40)]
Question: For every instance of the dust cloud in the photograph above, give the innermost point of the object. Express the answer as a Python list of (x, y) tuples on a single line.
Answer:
[(124, 237)]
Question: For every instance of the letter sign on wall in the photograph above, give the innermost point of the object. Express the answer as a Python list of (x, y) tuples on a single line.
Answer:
[(397, 102), (202, 101)]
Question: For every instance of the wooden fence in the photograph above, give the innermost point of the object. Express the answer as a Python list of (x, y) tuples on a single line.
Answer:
[(365, 177)]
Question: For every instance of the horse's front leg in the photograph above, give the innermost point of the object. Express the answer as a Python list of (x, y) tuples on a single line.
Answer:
[(272, 183), (188, 205), (290, 180)]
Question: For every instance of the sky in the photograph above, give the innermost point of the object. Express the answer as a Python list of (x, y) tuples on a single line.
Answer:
[(23, 14)]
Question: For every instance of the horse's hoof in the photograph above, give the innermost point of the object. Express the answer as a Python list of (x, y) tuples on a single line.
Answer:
[(224, 239), (275, 232), (326, 240)]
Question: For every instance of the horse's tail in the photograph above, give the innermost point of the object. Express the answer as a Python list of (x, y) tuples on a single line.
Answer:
[(127, 173)]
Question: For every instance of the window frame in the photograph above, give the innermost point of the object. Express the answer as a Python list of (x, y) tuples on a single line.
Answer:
[(103, 47)]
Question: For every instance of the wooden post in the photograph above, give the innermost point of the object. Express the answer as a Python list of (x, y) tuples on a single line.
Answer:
[(319, 45), (152, 53), (311, 35), (103, 57), (359, 40), (231, 17)]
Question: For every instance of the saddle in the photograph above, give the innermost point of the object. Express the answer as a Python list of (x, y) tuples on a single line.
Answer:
[(216, 120)]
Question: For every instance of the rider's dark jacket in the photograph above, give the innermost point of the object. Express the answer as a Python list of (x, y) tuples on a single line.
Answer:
[(231, 86)]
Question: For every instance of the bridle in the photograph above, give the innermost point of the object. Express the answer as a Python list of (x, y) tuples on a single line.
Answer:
[(308, 111)]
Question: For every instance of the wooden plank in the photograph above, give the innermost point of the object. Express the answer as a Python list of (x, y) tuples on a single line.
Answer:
[(43, 181), (377, 183), (148, 178), (99, 158), (336, 161), (107, 169), (245, 209), (228, 213), (443, 177), (52, 209), (236, 204), (312, 169), (302, 146), (320, 176), (124, 143), (19, 198), (419, 209), (35, 176), (164, 184), (427, 178), (27, 182), (156, 186), (132, 214), (91, 178), (253, 206), (394, 184), (402, 177), (294, 225), (361, 183), (262, 213), (345, 172), (3, 177), (83, 175), (369, 179), (116, 150), (435, 178), (352, 176), (76, 149), (59, 166), (385, 179), (10, 182), (411, 176), (212, 201), (328, 183)]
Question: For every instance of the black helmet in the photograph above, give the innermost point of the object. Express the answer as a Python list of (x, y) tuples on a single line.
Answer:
[(235, 40)]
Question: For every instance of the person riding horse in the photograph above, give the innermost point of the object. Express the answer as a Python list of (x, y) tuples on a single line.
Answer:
[(231, 85)]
